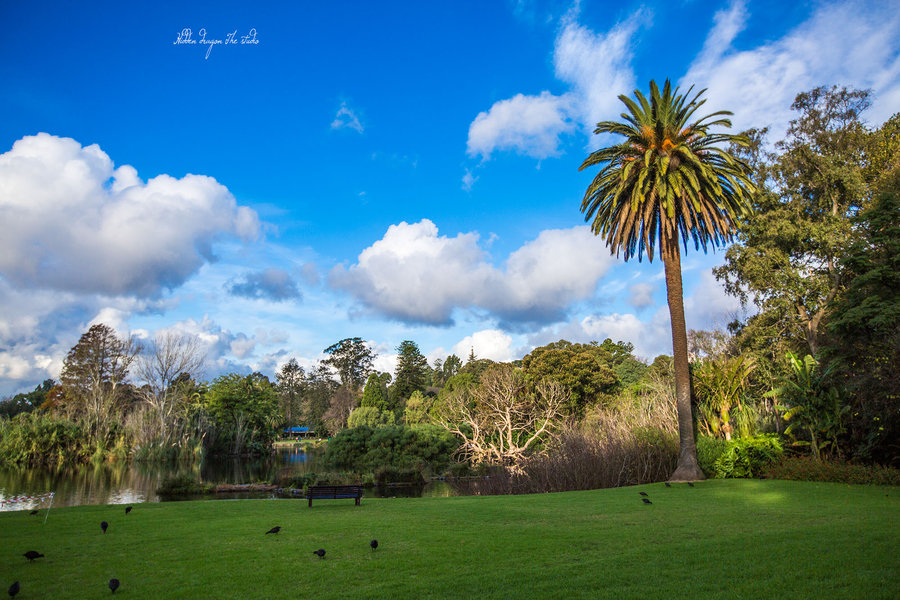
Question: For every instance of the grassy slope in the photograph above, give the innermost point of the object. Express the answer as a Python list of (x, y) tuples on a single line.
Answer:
[(720, 539)]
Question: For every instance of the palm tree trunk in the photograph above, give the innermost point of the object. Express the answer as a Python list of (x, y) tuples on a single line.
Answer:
[(688, 469)]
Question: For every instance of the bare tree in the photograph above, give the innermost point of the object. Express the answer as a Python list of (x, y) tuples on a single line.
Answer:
[(501, 419), (170, 358), (340, 406)]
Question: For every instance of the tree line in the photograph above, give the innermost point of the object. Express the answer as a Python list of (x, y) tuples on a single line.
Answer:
[(812, 227)]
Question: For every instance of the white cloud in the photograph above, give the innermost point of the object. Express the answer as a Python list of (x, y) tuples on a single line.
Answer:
[(346, 118), (415, 275), (77, 224), (597, 68), (529, 125), (709, 307), (468, 180), (854, 44), (492, 344), (641, 295)]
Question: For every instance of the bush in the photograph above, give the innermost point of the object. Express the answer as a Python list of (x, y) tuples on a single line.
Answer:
[(709, 449), (748, 456), (370, 417), (804, 468), (34, 438), (364, 449)]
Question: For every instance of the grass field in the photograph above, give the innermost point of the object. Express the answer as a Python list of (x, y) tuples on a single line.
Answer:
[(719, 539)]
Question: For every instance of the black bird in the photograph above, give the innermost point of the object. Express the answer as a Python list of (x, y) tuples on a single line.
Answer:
[(320, 553), (31, 555), (642, 493), (14, 589), (273, 530), (646, 501), (34, 512), (690, 484), (374, 544), (127, 509), (668, 484), (104, 525), (113, 584)]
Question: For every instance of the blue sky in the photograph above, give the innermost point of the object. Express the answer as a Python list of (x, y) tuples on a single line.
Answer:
[(405, 171)]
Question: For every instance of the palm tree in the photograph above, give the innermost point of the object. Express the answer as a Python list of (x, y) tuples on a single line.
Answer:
[(668, 180)]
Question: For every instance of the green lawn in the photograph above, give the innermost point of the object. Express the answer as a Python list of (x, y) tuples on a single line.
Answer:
[(720, 539)]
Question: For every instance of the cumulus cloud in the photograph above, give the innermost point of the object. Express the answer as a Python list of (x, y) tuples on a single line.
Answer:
[(492, 344), (86, 242), (415, 275), (842, 43), (83, 226), (529, 125), (596, 66), (346, 119), (272, 284)]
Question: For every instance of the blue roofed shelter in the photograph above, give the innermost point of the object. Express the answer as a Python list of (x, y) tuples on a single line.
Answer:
[(297, 432)]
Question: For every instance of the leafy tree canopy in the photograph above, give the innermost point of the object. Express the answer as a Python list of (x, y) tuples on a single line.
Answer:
[(786, 256), (586, 371), (352, 359), (411, 374)]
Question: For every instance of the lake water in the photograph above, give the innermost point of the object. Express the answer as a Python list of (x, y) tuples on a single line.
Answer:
[(130, 483)]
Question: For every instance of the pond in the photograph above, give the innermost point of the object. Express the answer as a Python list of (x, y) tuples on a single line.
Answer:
[(130, 483)]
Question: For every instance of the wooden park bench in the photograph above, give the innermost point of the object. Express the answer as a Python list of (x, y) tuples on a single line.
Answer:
[(334, 492)]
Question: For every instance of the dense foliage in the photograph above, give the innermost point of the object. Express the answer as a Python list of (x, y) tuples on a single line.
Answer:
[(365, 448)]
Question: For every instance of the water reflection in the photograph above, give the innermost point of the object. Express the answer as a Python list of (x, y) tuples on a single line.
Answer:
[(129, 483)]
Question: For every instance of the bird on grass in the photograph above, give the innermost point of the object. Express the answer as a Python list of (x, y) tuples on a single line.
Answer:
[(31, 555), (668, 484), (374, 544), (642, 493), (14, 589), (104, 525), (273, 530), (690, 484), (34, 512), (320, 553), (113, 584), (646, 501), (127, 509)]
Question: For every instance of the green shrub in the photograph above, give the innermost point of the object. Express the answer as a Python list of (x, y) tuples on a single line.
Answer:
[(34, 438), (364, 449), (804, 468), (709, 449), (748, 456)]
